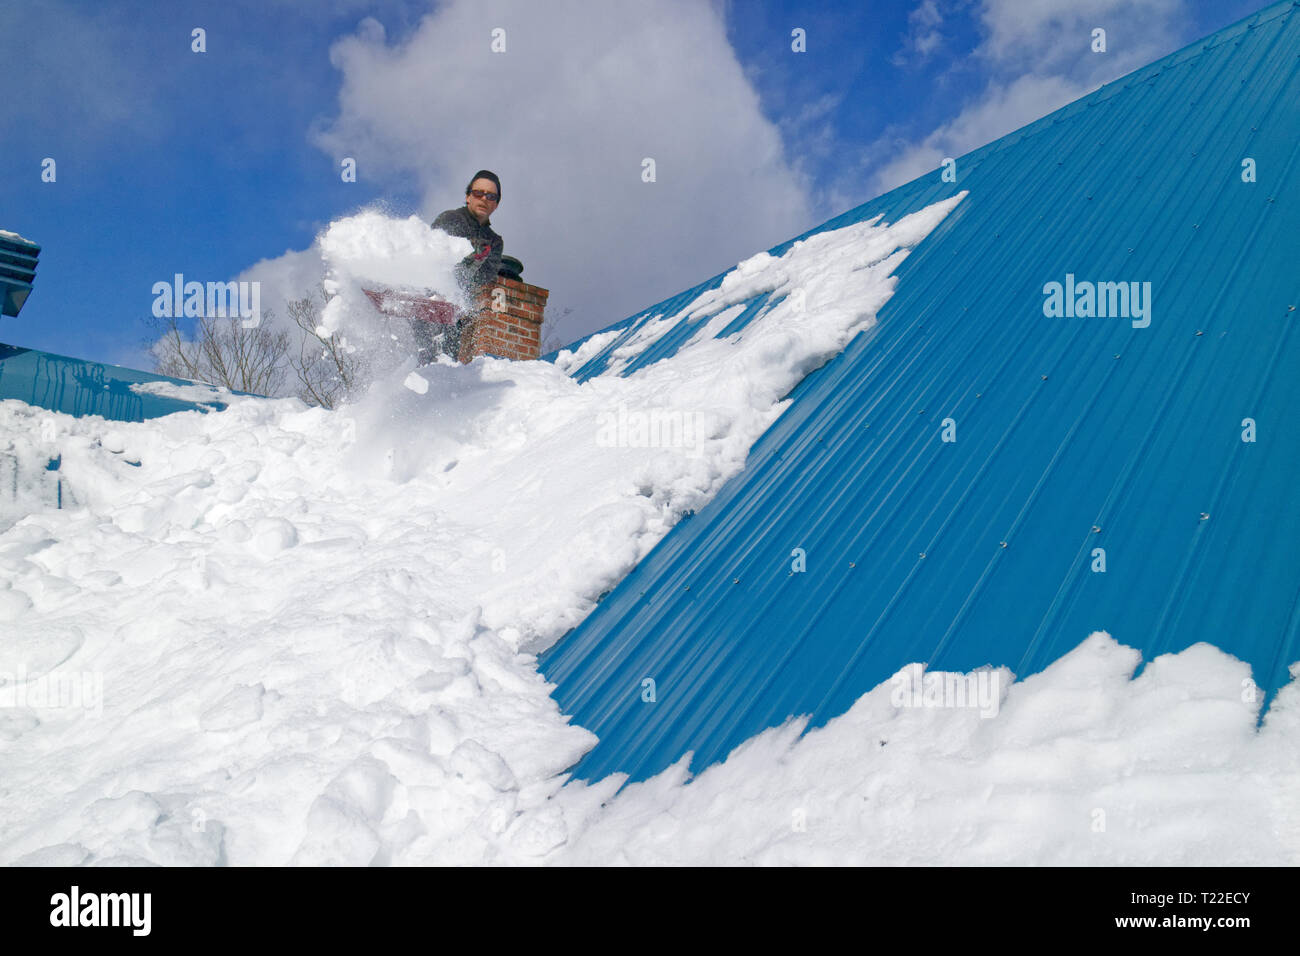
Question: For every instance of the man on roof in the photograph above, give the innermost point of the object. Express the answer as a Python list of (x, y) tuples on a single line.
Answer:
[(471, 221)]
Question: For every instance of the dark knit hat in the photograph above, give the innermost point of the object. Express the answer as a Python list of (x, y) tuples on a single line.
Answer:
[(484, 174)]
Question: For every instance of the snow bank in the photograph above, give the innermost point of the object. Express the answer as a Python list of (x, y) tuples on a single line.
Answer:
[(276, 634), (1082, 765)]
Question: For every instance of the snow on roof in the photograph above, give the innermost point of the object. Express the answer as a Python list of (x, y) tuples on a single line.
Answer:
[(984, 479)]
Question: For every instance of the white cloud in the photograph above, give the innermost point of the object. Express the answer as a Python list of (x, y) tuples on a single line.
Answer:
[(1039, 57), (583, 93), (285, 278), (999, 110), (924, 37), (1057, 34)]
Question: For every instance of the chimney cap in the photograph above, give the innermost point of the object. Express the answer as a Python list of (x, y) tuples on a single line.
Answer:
[(511, 268)]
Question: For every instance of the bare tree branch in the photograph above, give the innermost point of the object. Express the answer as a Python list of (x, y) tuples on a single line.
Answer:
[(327, 372), (224, 352)]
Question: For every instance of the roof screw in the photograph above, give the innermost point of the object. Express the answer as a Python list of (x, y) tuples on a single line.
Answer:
[(1095, 529), (688, 587), (852, 564), (1130, 250), (1205, 516), (978, 394), (1196, 225), (1116, 355), (1290, 308), (1044, 378), (1199, 332), (922, 554), (1004, 544)]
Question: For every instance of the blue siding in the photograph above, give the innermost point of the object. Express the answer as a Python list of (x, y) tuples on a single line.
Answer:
[(1072, 434)]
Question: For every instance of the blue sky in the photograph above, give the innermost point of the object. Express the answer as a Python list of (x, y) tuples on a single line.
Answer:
[(226, 163)]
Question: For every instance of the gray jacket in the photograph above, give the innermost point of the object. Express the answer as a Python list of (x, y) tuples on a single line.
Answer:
[(480, 266)]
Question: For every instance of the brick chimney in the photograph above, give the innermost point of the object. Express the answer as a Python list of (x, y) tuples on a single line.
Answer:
[(509, 319)]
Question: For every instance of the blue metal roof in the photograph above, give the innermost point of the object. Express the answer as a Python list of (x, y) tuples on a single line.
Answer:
[(1072, 434), (77, 387)]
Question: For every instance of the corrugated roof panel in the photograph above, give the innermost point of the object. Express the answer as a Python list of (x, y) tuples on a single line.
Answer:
[(78, 387), (1072, 435)]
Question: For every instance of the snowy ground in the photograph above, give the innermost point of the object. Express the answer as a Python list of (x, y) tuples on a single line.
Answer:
[(285, 635)]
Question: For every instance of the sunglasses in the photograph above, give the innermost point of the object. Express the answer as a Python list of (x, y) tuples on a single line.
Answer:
[(484, 194)]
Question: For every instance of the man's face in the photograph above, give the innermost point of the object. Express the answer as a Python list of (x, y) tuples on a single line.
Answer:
[(481, 209)]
